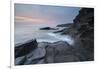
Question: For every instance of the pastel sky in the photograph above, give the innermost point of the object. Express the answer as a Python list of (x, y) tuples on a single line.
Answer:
[(44, 14)]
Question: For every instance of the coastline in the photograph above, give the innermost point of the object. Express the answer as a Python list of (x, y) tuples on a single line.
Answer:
[(82, 30)]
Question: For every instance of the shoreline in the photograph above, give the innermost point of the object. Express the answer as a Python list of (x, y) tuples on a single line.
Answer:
[(82, 50)]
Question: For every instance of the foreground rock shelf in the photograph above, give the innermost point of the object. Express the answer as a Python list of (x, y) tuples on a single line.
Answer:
[(51, 53)]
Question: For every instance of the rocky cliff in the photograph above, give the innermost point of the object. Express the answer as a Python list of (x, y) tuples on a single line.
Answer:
[(83, 30), (84, 23)]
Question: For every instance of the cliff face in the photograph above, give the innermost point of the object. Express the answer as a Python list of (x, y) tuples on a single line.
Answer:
[(84, 24), (83, 30), (85, 19)]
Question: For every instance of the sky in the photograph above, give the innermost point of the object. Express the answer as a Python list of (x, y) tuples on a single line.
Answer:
[(44, 14)]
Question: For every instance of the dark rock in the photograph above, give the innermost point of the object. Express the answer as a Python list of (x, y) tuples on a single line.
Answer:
[(87, 38), (25, 48), (20, 60), (84, 23), (70, 31), (83, 31), (59, 31), (36, 56), (48, 28), (65, 25), (60, 52)]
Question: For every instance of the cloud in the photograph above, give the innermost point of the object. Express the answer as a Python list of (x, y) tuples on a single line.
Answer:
[(30, 19)]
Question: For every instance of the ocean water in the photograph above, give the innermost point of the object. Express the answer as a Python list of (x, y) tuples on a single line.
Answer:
[(27, 32)]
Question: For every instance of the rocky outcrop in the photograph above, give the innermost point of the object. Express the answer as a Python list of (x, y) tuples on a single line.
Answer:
[(85, 16), (68, 28), (65, 25), (30, 53), (63, 52), (25, 48), (20, 60), (53, 53), (83, 30), (56, 52), (84, 23), (60, 52), (48, 28)]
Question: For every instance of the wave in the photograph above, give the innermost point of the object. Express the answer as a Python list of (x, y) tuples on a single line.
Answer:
[(60, 37)]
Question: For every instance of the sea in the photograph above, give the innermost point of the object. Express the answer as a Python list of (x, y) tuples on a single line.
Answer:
[(24, 33)]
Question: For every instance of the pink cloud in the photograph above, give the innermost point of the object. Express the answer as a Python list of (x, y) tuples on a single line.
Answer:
[(31, 19)]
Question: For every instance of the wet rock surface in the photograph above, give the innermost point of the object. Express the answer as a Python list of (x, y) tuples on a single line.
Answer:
[(33, 57), (53, 53), (25, 48)]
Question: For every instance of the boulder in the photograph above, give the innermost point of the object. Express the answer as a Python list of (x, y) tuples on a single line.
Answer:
[(36, 56), (25, 48), (20, 60)]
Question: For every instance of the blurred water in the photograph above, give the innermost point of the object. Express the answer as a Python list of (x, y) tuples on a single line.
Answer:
[(23, 34)]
